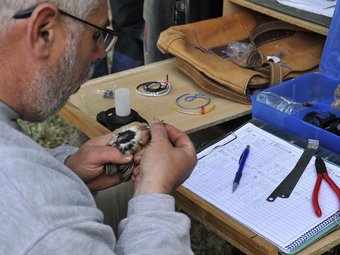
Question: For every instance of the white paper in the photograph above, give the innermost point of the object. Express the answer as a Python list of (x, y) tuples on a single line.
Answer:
[(322, 7)]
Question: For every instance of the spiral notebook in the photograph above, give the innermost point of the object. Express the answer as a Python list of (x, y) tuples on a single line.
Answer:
[(290, 223)]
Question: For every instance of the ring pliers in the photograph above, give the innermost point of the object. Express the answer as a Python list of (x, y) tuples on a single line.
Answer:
[(321, 171)]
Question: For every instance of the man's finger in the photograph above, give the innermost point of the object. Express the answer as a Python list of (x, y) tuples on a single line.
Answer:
[(157, 129), (103, 182)]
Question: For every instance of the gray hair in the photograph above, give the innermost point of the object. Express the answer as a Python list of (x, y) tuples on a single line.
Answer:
[(79, 8)]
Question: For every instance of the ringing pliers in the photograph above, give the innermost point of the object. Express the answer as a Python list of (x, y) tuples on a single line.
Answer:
[(322, 173)]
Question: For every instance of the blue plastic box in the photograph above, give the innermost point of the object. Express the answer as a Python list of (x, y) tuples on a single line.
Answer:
[(315, 87)]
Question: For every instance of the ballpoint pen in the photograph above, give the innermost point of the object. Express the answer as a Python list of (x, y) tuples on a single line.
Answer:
[(241, 162)]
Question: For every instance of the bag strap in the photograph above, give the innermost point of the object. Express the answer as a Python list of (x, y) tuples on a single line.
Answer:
[(209, 84), (273, 70), (276, 75), (276, 28)]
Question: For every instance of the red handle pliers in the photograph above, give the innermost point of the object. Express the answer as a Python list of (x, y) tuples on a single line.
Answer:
[(322, 173)]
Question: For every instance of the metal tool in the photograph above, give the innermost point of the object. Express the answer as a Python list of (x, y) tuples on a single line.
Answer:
[(321, 171), (286, 187)]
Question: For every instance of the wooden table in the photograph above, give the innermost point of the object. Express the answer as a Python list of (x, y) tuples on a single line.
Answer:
[(82, 108)]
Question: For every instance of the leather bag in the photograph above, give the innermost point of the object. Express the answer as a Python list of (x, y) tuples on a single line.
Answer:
[(200, 53)]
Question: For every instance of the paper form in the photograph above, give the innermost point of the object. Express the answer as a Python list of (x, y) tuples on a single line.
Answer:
[(270, 160), (322, 7)]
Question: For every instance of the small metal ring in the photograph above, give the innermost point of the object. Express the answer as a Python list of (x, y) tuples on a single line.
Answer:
[(163, 89), (188, 97)]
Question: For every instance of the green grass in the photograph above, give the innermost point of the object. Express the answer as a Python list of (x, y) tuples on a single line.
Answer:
[(53, 132), (56, 131)]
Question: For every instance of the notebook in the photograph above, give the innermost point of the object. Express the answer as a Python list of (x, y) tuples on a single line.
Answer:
[(288, 223)]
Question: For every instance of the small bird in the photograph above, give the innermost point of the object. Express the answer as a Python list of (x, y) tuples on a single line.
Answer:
[(128, 139)]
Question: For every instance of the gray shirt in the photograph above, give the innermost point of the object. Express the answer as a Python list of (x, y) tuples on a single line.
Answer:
[(47, 209)]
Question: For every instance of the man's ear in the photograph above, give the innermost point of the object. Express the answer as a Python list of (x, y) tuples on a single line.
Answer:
[(41, 29)]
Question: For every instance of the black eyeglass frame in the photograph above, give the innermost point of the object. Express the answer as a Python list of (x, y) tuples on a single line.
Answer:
[(105, 32)]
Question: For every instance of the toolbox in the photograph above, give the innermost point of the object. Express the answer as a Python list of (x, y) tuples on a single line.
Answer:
[(315, 118)]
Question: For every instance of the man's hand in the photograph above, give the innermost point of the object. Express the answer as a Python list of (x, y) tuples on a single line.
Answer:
[(88, 163), (166, 162)]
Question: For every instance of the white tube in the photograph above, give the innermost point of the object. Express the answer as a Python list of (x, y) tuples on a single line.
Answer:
[(122, 102)]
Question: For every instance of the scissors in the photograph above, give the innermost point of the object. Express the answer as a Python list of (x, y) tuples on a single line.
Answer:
[(322, 173)]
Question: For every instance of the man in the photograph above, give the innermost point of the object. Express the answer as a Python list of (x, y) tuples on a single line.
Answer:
[(46, 204)]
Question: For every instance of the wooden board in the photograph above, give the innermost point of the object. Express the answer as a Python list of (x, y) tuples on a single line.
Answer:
[(90, 102)]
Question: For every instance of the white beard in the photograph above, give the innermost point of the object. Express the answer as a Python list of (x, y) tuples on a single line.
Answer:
[(52, 88)]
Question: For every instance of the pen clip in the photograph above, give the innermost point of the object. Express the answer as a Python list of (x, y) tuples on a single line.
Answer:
[(243, 154), (241, 157)]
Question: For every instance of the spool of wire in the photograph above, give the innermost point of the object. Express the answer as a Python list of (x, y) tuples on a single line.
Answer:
[(154, 88), (192, 101), (193, 104)]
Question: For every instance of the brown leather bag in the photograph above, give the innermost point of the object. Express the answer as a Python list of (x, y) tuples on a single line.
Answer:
[(199, 49)]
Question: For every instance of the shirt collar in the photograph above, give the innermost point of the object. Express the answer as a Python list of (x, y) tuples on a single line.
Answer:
[(8, 116)]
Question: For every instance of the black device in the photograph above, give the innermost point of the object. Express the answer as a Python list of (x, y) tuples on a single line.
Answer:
[(112, 121), (325, 120)]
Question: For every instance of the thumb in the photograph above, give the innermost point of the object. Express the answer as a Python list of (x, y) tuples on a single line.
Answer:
[(157, 129), (113, 155)]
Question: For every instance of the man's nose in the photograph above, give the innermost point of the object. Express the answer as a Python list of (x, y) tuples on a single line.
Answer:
[(99, 52)]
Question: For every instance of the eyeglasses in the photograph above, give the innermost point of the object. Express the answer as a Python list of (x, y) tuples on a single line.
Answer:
[(108, 36)]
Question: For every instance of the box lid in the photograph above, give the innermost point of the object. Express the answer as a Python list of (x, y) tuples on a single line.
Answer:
[(330, 60)]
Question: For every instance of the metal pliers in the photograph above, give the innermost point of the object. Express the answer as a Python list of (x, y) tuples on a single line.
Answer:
[(322, 173)]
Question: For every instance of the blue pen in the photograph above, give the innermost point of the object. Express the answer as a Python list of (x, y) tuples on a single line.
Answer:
[(241, 162)]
